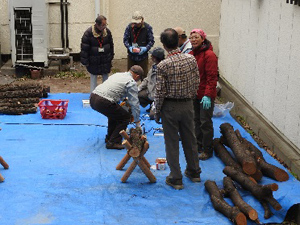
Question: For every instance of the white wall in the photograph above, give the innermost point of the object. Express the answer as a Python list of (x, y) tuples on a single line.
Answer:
[(260, 56), (159, 14)]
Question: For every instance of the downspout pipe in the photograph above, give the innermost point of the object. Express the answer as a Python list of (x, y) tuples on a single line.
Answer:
[(67, 24), (97, 8), (62, 24)]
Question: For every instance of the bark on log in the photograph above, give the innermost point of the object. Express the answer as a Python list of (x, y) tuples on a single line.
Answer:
[(247, 161), (34, 92), (18, 86), (228, 160), (17, 111), (233, 213), (237, 200), (264, 193), (1, 178), (3, 163), (20, 100), (267, 169)]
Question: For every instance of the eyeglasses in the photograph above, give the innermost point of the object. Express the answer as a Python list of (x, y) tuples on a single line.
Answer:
[(194, 37)]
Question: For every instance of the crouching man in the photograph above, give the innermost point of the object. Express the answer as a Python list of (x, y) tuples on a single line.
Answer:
[(105, 98)]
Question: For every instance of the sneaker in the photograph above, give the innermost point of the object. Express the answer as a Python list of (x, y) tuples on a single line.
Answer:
[(204, 156), (193, 177), (176, 184), (110, 145)]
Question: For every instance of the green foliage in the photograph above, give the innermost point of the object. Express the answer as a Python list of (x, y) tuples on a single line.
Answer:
[(68, 74)]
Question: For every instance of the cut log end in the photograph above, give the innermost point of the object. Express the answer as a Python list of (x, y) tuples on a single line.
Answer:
[(281, 175), (249, 168), (274, 187), (134, 152), (252, 214), (240, 219)]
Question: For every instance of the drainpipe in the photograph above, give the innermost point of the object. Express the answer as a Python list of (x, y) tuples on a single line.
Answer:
[(97, 8)]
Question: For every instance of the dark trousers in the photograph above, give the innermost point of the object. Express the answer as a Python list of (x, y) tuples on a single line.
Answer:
[(143, 64), (143, 98), (204, 126), (178, 116), (118, 118)]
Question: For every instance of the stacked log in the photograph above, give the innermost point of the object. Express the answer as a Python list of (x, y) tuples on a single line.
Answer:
[(21, 98), (246, 166)]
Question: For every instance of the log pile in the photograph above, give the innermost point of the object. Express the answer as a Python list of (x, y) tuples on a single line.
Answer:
[(136, 145), (21, 98), (245, 166)]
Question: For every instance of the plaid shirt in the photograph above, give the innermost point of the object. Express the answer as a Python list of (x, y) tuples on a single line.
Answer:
[(177, 77)]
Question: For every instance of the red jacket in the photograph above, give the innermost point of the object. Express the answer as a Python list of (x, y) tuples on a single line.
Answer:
[(208, 69)]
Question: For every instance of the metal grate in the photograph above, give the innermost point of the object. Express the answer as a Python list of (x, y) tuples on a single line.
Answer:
[(295, 2), (23, 32)]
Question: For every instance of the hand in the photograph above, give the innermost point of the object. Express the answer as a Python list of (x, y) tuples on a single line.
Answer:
[(130, 49), (206, 102), (142, 50), (138, 124), (157, 118)]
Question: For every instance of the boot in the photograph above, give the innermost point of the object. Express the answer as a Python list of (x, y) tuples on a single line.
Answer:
[(206, 154)]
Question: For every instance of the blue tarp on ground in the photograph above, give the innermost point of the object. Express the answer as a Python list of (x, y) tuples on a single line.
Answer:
[(61, 173)]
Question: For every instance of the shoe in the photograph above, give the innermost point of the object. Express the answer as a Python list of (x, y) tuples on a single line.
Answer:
[(110, 145), (204, 156), (148, 110), (193, 177), (106, 139), (176, 184)]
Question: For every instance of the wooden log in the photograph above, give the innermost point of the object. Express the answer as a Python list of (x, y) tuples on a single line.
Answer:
[(20, 100), (34, 92), (247, 161), (129, 171), (3, 163), (146, 170), (123, 162), (17, 110), (134, 152), (233, 213), (1, 178), (237, 200), (145, 149), (19, 86), (228, 160), (124, 134), (127, 145), (267, 169), (261, 192)]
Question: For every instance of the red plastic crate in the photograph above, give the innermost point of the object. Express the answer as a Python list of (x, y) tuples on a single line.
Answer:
[(53, 109)]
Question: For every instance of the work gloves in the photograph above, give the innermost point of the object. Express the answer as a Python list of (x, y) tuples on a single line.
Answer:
[(206, 101), (142, 50), (130, 49)]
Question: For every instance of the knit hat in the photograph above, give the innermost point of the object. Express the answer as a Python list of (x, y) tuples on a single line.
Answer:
[(200, 32), (158, 52)]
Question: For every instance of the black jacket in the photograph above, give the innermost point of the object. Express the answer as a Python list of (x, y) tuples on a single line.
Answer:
[(97, 62)]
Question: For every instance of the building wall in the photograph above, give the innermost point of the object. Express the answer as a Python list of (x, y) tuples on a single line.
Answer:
[(259, 57), (159, 14)]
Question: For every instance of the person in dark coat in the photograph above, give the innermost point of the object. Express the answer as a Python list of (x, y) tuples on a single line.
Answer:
[(204, 104), (97, 50), (138, 39)]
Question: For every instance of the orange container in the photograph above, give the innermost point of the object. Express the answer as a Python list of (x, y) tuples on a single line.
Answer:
[(53, 109)]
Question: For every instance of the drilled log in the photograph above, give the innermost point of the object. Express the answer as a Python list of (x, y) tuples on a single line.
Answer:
[(20, 100), (3, 163), (233, 213), (19, 86), (247, 161), (17, 111), (237, 200), (34, 92), (261, 192)]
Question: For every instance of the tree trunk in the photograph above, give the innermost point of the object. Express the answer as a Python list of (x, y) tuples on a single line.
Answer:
[(237, 200), (264, 193), (246, 160), (233, 213)]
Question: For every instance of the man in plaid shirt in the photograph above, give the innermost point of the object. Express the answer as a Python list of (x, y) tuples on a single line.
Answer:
[(176, 85)]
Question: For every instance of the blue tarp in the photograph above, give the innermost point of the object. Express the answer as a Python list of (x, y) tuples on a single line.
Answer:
[(61, 173)]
